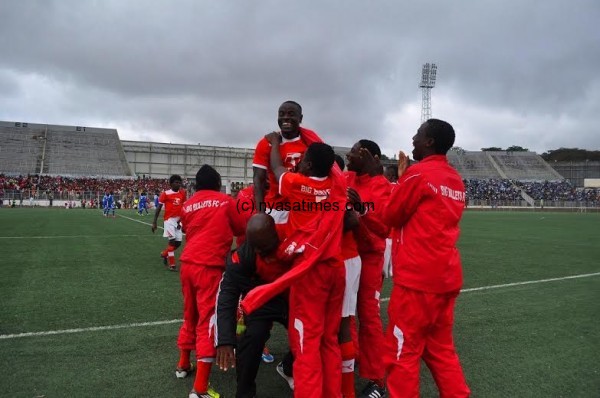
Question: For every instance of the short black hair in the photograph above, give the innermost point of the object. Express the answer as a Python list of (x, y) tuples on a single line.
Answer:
[(294, 103), (175, 177), (442, 134), (371, 146), (321, 156), (208, 178), (340, 162)]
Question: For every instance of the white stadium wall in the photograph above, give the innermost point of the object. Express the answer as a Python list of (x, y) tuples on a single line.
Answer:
[(591, 182)]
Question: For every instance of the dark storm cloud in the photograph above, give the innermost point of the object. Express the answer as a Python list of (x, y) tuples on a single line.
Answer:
[(215, 72)]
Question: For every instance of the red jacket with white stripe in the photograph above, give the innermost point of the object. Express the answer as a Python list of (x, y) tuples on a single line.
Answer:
[(374, 193), (424, 211), (210, 220)]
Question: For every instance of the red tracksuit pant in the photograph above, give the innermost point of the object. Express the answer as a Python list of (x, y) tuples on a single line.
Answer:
[(199, 285), (315, 315), (370, 332), (420, 326)]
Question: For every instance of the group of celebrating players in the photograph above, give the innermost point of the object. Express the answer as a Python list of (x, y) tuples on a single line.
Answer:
[(310, 250)]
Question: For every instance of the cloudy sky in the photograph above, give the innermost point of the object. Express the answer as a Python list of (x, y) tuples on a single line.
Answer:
[(513, 72)]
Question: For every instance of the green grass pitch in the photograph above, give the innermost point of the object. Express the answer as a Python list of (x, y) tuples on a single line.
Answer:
[(71, 269)]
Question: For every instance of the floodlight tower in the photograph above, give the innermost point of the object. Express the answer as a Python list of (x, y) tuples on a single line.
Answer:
[(427, 83)]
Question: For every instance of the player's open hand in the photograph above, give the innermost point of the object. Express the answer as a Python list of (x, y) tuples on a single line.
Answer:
[(403, 162), (273, 137), (153, 226), (225, 357)]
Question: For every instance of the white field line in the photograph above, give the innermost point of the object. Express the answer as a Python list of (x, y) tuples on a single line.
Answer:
[(90, 329), (475, 289), (140, 221), (155, 323)]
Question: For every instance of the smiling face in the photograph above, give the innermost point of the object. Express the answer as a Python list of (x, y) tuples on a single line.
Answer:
[(289, 119)]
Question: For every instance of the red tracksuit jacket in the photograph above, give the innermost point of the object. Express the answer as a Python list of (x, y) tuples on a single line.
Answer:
[(210, 220), (425, 209), (374, 192)]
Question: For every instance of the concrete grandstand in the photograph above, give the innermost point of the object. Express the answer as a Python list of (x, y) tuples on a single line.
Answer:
[(30, 148), (523, 166)]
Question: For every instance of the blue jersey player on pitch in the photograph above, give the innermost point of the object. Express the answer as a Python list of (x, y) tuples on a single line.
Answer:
[(104, 202), (108, 204), (143, 204)]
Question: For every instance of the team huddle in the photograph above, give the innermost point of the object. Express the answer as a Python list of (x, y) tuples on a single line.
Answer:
[(318, 269)]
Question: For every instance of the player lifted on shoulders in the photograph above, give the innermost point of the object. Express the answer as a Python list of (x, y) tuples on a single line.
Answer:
[(291, 150), (172, 200), (316, 298)]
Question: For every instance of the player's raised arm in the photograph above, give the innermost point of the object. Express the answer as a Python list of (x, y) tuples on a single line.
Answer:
[(260, 165), (260, 183), (274, 139)]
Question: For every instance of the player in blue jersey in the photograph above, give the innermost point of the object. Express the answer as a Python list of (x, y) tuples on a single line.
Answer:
[(110, 205), (104, 204), (143, 204)]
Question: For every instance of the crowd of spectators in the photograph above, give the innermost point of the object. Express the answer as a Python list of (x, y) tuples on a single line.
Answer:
[(491, 189), (81, 184), (558, 191), (496, 191), (80, 188), (510, 190)]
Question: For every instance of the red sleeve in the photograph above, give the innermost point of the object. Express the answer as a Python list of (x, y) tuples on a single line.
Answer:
[(237, 221), (261, 154), (309, 136), (289, 184), (404, 200), (373, 219), (162, 198)]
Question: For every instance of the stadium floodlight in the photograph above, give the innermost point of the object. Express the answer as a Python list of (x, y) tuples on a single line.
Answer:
[(428, 78)]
